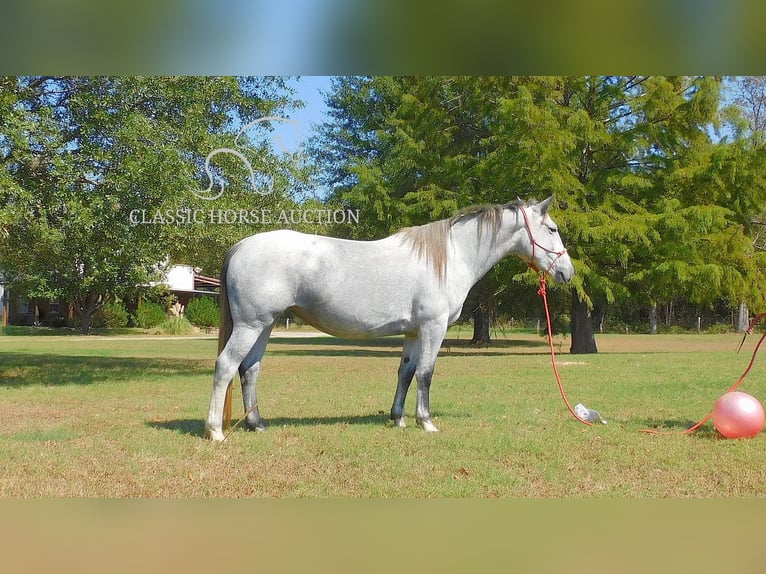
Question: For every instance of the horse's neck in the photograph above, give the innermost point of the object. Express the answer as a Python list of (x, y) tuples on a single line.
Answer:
[(477, 252)]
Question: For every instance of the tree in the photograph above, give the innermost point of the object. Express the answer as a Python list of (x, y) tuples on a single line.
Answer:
[(601, 143), (748, 126), (81, 156), (750, 98)]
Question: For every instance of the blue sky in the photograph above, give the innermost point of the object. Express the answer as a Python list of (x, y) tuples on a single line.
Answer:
[(311, 90)]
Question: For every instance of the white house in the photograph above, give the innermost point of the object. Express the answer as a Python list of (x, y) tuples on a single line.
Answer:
[(185, 282)]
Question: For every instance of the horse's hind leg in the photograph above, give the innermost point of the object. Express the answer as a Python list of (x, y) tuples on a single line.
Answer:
[(248, 373), (237, 348), (407, 367)]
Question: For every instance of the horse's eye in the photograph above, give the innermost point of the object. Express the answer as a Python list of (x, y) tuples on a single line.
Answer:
[(553, 229)]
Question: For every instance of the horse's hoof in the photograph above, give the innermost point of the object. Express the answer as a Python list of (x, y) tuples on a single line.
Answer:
[(258, 427), (399, 423), (428, 426), (214, 435)]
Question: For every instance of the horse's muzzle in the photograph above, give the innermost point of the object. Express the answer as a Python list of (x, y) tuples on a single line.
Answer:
[(562, 269), (563, 276)]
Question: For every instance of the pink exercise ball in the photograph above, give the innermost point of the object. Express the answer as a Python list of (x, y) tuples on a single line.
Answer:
[(738, 415)]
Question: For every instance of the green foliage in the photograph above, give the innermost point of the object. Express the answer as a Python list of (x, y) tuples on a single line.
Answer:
[(202, 312), (112, 315), (159, 294), (149, 315)]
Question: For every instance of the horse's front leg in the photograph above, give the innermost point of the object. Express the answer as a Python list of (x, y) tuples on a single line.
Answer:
[(430, 343), (407, 367), (423, 410)]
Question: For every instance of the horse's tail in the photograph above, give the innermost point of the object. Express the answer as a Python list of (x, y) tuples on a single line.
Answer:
[(224, 332)]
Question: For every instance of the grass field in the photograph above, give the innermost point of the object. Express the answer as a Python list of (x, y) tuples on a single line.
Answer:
[(123, 417)]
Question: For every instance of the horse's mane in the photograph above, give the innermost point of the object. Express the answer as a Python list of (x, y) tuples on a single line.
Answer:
[(429, 241)]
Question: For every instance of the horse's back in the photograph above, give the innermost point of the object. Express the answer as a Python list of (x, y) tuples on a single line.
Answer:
[(286, 250)]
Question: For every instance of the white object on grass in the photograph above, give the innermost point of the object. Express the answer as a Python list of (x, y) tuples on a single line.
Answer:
[(587, 414)]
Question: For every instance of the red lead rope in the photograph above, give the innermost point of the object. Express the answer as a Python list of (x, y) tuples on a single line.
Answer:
[(543, 292)]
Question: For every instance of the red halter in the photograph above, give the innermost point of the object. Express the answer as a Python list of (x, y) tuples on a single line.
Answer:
[(535, 244)]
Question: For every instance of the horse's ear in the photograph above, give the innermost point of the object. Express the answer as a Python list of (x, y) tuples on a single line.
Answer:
[(543, 205)]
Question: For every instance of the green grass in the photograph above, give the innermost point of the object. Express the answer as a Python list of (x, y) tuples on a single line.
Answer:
[(123, 417)]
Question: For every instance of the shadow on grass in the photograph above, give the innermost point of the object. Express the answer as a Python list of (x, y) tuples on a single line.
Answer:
[(196, 427), (23, 369), (678, 427), (392, 347), (19, 369)]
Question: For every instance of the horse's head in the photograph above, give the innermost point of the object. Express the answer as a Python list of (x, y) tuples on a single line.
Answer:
[(546, 250)]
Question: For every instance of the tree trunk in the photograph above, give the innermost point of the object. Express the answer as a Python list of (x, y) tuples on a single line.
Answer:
[(743, 318), (653, 320), (43, 310), (669, 314), (85, 309), (85, 321), (583, 337), (481, 321)]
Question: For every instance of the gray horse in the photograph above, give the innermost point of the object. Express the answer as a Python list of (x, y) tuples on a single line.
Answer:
[(413, 283)]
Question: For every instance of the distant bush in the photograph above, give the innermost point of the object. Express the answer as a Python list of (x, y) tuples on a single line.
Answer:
[(149, 315), (676, 330), (202, 311), (113, 315), (638, 328), (174, 326), (159, 294), (720, 328), (60, 322)]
